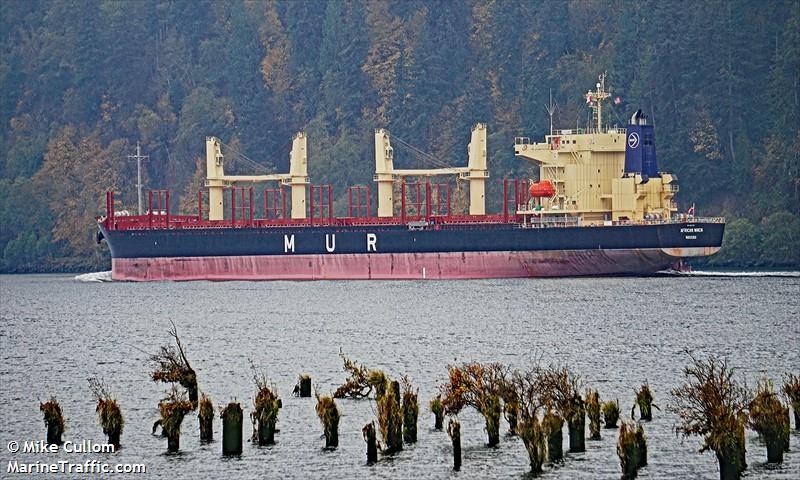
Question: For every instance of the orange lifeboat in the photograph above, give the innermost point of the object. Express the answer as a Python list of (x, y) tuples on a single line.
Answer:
[(542, 189)]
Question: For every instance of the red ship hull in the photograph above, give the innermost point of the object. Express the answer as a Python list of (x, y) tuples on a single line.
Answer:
[(456, 265)]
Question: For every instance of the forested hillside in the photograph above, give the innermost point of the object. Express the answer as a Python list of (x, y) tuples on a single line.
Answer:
[(83, 81)]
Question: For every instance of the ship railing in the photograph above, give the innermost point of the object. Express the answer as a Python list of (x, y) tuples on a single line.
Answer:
[(681, 218), (568, 131), (160, 221), (546, 222)]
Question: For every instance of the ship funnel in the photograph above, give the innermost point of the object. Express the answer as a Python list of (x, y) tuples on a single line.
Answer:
[(640, 148), (638, 118)]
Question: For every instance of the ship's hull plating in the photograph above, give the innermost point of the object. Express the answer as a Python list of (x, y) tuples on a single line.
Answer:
[(399, 266), (395, 252)]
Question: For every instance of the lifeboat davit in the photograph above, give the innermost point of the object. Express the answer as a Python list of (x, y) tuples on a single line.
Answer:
[(542, 189)]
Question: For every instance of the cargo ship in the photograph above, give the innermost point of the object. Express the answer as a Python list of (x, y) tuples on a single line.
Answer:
[(600, 206)]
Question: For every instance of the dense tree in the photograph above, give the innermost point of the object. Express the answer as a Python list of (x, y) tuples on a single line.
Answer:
[(83, 81)]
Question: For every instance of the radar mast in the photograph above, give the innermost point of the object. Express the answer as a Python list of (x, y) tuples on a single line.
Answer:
[(595, 100)]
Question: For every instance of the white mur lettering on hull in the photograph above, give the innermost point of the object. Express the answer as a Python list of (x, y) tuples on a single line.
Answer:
[(330, 243)]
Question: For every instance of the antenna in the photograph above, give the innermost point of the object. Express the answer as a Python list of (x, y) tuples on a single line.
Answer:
[(139, 157), (551, 109)]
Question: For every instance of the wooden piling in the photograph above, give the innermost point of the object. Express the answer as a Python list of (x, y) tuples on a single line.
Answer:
[(329, 415), (553, 426), (53, 420), (454, 430), (206, 417), (305, 386), (232, 417), (372, 442), (438, 412)]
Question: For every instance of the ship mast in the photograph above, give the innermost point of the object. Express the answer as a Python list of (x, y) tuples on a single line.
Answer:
[(595, 100), (139, 157)]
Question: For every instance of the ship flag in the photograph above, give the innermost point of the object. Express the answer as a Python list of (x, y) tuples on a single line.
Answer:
[(617, 101)]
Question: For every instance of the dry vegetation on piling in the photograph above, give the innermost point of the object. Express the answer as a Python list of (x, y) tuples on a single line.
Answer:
[(205, 414), (410, 411), (712, 404), (108, 411), (480, 386), (770, 419), (390, 417), (631, 449), (791, 388), (266, 405), (553, 425), (593, 412), (611, 414), (172, 366), (361, 382), (529, 406), (173, 408), (561, 387), (372, 442), (644, 400), (437, 409), (53, 420), (329, 416)]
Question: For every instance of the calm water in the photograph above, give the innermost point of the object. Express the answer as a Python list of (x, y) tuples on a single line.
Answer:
[(56, 332)]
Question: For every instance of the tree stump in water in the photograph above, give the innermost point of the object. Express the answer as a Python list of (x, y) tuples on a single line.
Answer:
[(206, 417), (53, 420), (410, 413), (593, 412), (329, 415), (644, 400), (631, 449), (305, 386), (108, 411), (535, 439), (611, 414), (791, 388), (553, 426), (232, 417), (390, 418), (770, 419), (372, 442), (173, 409), (438, 413), (576, 425), (265, 411), (454, 430)]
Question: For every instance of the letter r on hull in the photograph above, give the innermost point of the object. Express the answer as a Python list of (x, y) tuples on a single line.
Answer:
[(372, 241), (288, 243)]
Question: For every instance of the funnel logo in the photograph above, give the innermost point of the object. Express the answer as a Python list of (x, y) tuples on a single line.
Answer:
[(633, 140)]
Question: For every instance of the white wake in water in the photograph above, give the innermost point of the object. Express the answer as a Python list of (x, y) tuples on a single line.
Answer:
[(710, 273), (94, 277)]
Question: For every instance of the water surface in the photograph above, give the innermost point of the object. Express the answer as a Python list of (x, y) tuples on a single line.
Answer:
[(55, 332)]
